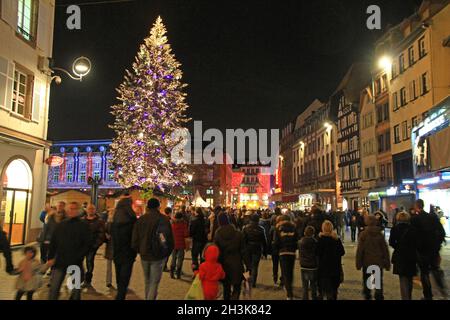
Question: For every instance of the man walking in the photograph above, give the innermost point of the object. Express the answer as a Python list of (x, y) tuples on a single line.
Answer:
[(97, 227), (6, 249), (123, 254), (153, 240), (431, 236), (68, 247)]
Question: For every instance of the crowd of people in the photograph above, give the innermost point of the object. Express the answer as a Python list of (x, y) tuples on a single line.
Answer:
[(227, 246)]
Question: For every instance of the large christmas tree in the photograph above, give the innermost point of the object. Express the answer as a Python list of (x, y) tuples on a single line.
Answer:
[(152, 106)]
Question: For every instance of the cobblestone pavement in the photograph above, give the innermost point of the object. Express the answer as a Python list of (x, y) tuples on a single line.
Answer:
[(176, 289)]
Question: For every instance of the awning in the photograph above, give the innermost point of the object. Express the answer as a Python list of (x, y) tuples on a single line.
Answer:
[(290, 198)]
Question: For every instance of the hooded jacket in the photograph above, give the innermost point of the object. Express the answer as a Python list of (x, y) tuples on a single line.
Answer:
[(372, 249), (285, 238), (211, 272), (255, 239), (308, 253), (122, 230), (330, 251)]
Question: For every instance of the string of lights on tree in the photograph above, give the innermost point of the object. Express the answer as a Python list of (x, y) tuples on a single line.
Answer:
[(152, 106)]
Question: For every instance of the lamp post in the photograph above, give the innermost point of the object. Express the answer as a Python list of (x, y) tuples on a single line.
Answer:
[(80, 68)]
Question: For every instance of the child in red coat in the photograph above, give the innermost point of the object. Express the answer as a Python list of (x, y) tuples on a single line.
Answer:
[(211, 272)]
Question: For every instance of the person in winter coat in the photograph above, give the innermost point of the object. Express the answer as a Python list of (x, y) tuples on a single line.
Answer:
[(69, 245), (256, 245), (403, 239), (372, 250), (285, 242), (232, 257), (353, 224), (30, 277), (431, 236), (109, 256), (199, 235), (6, 249), (124, 254), (264, 222), (52, 219), (382, 222), (275, 254), (153, 239), (308, 263), (330, 252), (97, 227), (180, 234), (211, 272)]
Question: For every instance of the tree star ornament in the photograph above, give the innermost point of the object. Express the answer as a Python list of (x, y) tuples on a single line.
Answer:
[(152, 106)]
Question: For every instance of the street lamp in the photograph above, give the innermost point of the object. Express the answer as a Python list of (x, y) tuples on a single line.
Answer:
[(80, 67), (328, 126), (385, 63)]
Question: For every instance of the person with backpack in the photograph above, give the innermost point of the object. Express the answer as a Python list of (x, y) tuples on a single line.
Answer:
[(403, 239), (256, 245), (180, 234), (431, 236), (153, 240)]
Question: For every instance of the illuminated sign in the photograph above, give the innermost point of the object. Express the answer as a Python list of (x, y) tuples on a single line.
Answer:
[(434, 121), (429, 181), (391, 191), (54, 161), (445, 176), (408, 181)]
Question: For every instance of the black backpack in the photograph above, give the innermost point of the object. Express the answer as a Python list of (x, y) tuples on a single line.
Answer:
[(159, 245)]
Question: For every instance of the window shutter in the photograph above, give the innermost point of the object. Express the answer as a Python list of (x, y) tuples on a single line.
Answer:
[(9, 12), (9, 85), (3, 80), (29, 97), (43, 27), (419, 81), (36, 101)]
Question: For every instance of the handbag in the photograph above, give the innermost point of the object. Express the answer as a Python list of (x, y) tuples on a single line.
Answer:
[(195, 292)]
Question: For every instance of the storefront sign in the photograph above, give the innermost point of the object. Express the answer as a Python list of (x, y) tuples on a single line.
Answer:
[(54, 161), (434, 121), (428, 181), (392, 191)]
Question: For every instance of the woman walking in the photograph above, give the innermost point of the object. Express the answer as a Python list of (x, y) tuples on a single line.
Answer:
[(198, 233), (330, 251)]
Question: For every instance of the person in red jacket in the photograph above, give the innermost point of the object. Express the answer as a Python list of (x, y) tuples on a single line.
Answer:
[(211, 272), (180, 233)]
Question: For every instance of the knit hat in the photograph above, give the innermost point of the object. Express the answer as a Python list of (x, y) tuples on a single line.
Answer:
[(223, 220), (153, 203)]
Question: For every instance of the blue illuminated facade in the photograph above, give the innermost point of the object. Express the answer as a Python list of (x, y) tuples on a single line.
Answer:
[(82, 159)]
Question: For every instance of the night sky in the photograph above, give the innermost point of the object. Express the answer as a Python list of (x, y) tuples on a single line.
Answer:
[(249, 64)]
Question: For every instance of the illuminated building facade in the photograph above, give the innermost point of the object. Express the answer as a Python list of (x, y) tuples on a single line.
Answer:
[(251, 186)]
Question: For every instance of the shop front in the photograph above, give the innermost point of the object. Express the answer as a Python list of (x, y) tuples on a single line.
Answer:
[(23, 181)]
